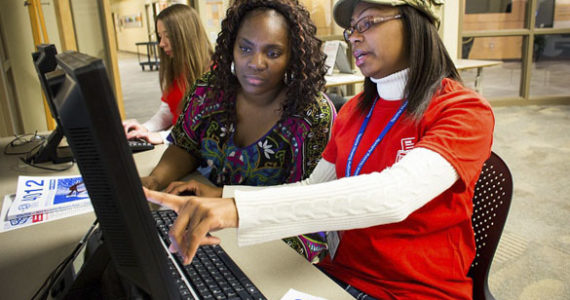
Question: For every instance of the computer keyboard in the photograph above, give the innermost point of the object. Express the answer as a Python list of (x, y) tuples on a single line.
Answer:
[(139, 145), (212, 273)]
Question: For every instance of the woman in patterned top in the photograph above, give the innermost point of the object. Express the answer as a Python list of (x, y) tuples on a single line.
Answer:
[(259, 117)]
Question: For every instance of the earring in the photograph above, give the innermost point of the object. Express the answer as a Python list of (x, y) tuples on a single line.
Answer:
[(287, 78), (233, 68)]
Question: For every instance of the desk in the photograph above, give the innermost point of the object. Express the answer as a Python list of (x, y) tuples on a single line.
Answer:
[(337, 79), (466, 64), (28, 255)]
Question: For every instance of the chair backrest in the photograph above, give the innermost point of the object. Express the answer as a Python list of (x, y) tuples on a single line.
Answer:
[(491, 202)]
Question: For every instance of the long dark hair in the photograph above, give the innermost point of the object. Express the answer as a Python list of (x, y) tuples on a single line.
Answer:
[(306, 70), (429, 64)]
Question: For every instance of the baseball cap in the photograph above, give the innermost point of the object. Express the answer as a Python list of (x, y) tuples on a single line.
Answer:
[(343, 9)]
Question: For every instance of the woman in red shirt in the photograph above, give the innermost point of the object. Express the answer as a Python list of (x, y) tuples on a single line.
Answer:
[(395, 185), (184, 53)]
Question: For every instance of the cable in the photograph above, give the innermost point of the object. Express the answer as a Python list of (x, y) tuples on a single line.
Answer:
[(21, 141), (31, 164), (43, 291)]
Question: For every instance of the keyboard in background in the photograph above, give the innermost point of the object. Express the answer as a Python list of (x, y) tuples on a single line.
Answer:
[(212, 273), (139, 145)]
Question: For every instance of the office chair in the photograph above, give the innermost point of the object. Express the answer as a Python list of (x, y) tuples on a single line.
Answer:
[(491, 202)]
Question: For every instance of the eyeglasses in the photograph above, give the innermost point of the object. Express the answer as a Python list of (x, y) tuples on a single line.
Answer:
[(365, 23)]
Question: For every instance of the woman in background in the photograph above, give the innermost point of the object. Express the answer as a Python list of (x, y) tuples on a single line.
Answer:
[(184, 56), (260, 117), (395, 185)]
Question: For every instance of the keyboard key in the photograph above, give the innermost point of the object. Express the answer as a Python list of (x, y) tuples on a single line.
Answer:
[(212, 273)]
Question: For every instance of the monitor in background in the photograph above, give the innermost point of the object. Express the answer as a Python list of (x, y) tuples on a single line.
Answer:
[(44, 62), (92, 125), (336, 57)]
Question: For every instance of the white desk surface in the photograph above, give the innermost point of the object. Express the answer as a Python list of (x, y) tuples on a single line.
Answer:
[(464, 64), (27, 255), (337, 79)]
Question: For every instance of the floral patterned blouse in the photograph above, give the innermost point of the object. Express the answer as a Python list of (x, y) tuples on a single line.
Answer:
[(287, 153)]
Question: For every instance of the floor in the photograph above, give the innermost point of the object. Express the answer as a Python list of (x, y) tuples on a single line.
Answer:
[(533, 258)]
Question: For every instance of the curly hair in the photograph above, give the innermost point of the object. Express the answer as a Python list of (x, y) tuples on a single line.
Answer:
[(306, 69)]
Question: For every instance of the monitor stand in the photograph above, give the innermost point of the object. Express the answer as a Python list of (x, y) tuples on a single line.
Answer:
[(51, 151), (89, 273)]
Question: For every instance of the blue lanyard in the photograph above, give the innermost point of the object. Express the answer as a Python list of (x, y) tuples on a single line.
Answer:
[(378, 139)]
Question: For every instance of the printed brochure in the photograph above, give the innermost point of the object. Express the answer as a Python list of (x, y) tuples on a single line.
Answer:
[(36, 195)]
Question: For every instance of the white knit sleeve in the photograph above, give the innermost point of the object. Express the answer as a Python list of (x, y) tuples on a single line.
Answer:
[(324, 171), (348, 203), (161, 120)]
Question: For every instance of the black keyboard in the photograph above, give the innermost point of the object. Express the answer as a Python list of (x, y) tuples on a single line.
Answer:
[(212, 273), (139, 145)]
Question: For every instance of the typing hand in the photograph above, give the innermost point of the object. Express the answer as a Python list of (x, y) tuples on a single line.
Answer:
[(195, 187), (151, 137), (132, 125), (196, 217)]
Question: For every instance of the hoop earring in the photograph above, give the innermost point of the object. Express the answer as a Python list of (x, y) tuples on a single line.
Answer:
[(288, 78), (233, 68)]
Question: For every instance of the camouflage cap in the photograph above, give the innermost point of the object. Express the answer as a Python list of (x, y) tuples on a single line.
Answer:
[(342, 11)]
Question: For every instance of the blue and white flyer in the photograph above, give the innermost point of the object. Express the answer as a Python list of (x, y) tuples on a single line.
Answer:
[(8, 224), (36, 195)]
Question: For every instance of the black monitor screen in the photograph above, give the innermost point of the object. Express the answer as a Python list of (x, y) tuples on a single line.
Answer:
[(92, 125), (44, 62)]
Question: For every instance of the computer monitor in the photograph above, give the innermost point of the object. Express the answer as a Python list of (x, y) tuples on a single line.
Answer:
[(90, 118), (336, 57), (44, 62)]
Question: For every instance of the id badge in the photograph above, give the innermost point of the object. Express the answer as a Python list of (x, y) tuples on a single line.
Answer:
[(333, 239)]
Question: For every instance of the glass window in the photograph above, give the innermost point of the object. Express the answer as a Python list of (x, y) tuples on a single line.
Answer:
[(494, 14), (551, 65), (502, 80), (551, 13)]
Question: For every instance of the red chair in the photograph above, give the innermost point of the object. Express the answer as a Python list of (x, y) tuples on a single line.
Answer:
[(491, 202)]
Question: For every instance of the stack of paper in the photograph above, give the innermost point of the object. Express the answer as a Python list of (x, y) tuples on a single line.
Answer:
[(42, 199)]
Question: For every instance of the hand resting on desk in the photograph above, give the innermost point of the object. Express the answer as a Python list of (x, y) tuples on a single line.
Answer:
[(196, 217)]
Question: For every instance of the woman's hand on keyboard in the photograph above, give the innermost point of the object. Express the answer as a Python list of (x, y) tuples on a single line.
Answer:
[(196, 217), (151, 137), (132, 125), (192, 186)]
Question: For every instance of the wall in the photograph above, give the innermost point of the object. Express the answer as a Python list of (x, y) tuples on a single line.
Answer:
[(20, 45), (450, 27), (212, 12), (127, 37)]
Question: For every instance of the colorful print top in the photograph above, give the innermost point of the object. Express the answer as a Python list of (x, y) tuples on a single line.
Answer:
[(287, 153)]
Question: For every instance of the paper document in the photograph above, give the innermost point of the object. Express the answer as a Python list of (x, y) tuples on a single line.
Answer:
[(40, 199), (36, 195), (293, 294), (32, 219)]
